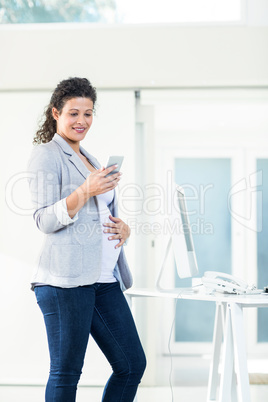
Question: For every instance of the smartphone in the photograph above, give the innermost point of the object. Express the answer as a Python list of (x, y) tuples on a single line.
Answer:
[(114, 160)]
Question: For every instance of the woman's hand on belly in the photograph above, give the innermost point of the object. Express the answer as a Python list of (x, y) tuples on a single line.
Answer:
[(120, 230)]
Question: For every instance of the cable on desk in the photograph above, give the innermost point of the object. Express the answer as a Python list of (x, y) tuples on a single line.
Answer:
[(179, 295), (169, 350)]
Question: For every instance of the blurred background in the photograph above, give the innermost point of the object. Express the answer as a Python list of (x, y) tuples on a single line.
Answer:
[(183, 95)]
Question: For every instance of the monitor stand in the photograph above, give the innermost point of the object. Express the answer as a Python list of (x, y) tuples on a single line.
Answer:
[(160, 275)]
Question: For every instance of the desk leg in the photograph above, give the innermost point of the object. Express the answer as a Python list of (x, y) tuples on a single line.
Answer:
[(234, 350), (240, 352), (227, 361), (234, 387), (217, 342)]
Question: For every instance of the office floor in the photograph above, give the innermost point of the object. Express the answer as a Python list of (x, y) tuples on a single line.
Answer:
[(145, 394)]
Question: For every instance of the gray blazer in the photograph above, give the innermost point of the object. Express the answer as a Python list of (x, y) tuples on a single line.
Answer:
[(71, 254)]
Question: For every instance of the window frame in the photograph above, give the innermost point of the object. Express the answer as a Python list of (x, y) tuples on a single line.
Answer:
[(255, 348)]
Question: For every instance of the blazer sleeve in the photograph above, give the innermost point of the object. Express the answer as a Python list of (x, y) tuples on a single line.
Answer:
[(45, 189)]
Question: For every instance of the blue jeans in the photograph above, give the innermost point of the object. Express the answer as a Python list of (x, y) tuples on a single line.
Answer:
[(70, 316)]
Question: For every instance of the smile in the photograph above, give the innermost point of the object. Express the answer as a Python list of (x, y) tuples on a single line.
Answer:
[(79, 129)]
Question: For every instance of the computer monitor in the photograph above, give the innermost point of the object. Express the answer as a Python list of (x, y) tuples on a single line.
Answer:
[(182, 241), (180, 238)]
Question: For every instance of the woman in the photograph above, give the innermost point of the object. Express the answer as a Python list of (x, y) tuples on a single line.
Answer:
[(82, 263)]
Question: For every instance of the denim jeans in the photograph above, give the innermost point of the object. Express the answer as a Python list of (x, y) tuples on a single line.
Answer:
[(70, 316)]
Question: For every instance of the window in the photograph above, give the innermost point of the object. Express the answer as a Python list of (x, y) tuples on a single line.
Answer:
[(119, 11), (51, 11)]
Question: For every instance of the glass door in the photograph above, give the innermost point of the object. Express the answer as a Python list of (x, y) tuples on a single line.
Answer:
[(262, 249), (207, 182)]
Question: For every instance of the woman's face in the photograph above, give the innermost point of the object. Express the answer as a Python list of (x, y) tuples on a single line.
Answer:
[(75, 119)]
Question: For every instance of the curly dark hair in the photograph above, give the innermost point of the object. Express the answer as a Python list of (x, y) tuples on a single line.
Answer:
[(67, 89)]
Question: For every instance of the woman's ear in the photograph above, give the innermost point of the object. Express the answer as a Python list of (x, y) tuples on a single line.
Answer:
[(55, 113)]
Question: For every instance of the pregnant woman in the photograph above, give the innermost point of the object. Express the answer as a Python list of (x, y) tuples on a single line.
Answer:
[(82, 269)]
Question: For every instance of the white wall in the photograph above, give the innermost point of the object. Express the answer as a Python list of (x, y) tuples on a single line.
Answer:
[(134, 57)]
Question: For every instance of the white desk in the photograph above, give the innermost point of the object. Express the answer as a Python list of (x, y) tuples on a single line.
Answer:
[(229, 327)]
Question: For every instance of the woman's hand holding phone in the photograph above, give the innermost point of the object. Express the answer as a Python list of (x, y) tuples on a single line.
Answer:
[(98, 182), (101, 181)]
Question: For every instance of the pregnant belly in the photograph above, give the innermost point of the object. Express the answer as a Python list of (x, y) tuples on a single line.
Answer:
[(109, 252)]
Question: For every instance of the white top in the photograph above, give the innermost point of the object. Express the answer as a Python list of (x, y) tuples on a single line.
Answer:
[(110, 254)]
